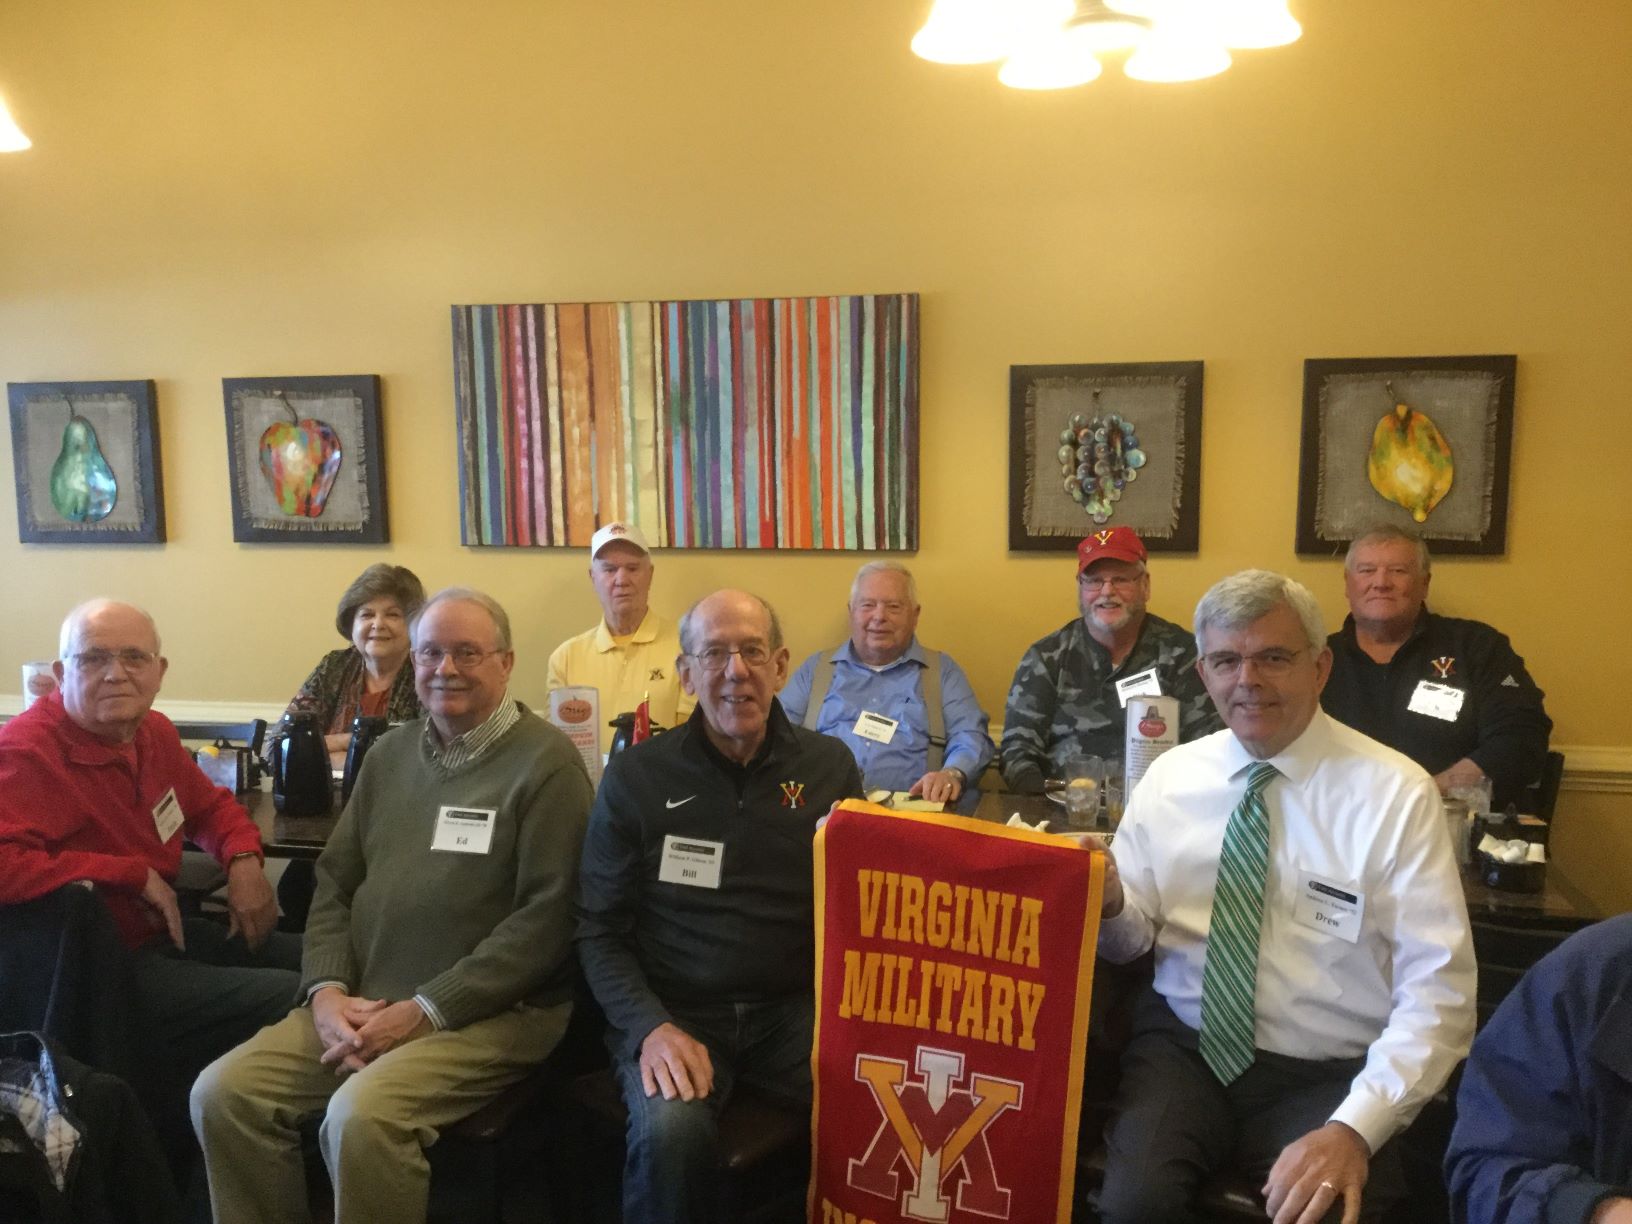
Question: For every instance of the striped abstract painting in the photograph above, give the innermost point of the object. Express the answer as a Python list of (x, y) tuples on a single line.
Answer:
[(747, 423)]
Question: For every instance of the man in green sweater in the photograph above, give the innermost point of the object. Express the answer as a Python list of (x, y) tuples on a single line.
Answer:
[(437, 958)]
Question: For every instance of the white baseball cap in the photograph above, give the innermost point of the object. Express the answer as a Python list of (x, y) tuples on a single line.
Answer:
[(627, 532)]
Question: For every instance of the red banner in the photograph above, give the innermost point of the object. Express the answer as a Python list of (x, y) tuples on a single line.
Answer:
[(954, 965)]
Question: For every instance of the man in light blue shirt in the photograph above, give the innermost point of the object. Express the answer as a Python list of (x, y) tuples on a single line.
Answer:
[(907, 712)]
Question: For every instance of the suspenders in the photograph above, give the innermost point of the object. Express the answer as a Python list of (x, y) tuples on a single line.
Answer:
[(822, 680)]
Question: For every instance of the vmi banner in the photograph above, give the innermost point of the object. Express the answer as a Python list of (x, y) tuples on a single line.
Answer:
[(954, 964)]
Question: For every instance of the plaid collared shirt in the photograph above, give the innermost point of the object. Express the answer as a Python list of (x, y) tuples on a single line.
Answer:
[(463, 749)]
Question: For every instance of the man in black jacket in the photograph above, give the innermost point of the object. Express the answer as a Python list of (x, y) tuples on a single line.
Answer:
[(696, 904), (1451, 694)]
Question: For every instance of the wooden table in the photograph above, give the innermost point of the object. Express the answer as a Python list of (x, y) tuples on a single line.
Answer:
[(292, 837)]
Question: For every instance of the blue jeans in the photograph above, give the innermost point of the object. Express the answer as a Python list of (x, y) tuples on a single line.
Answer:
[(669, 1172)]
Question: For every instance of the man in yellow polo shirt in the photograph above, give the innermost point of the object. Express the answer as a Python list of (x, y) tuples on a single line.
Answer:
[(632, 652)]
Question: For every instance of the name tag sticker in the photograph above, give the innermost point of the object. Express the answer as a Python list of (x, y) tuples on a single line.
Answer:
[(167, 815), (1437, 700), (691, 861), (463, 830), (1142, 684), (876, 727), (1329, 906)]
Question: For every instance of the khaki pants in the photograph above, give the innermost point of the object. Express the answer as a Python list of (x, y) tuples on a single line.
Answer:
[(248, 1106)]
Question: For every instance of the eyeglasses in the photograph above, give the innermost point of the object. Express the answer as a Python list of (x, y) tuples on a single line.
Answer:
[(1099, 582), (131, 659), (715, 658), (890, 607), (1276, 661), (464, 657)]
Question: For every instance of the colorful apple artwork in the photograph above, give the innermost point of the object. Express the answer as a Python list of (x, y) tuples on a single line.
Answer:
[(300, 459)]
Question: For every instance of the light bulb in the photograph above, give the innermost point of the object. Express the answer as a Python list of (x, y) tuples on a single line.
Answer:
[(1250, 25), (1057, 62), (1175, 55), (980, 31), (12, 139)]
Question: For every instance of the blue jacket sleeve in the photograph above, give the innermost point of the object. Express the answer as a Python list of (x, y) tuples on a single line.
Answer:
[(1521, 1150)]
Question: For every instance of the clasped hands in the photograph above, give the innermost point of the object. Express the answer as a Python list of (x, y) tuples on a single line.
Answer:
[(355, 1031)]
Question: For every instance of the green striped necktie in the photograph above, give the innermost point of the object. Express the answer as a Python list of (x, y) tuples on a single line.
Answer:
[(1230, 980)]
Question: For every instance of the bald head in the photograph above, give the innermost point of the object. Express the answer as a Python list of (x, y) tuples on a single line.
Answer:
[(109, 668), (734, 661), (92, 608)]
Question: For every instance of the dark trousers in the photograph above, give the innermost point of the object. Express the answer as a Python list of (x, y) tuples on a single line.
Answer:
[(202, 1002), (669, 1171), (1174, 1124)]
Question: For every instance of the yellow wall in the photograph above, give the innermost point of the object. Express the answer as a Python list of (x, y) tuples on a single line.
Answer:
[(221, 189)]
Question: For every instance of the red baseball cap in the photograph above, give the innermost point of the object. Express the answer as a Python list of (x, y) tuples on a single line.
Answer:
[(1117, 543)]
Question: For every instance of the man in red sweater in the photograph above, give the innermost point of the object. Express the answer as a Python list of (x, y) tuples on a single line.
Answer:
[(96, 786)]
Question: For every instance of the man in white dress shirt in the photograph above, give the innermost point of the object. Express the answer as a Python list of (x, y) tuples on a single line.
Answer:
[(1302, 1022)]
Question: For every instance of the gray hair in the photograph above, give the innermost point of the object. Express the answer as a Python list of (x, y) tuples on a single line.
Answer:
[(885, 567), (501, 619), (688, 623), (83, 612), (1384, 533), (1240, 599)]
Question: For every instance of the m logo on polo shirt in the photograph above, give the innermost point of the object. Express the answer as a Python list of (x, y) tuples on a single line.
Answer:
[(1445, 665), (655, 674), (934, 1131), (793, 794)]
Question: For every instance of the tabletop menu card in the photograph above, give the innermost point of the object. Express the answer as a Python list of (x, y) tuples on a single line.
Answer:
[(576, 710), (1153, 728)]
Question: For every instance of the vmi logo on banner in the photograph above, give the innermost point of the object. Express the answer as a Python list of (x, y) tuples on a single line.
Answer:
[(954, 964)]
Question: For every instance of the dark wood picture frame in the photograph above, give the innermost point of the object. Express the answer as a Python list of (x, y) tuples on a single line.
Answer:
[(359, 479), (124, 422), (1478, 422), (1031, 472)]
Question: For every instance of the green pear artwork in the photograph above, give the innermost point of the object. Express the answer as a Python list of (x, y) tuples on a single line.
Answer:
[(300, 458), (83, 488)]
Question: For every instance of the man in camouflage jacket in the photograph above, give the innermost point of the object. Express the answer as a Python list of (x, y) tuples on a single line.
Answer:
[(1063, 701)]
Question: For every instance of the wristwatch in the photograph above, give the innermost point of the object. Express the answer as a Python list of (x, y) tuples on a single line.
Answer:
[(963, 778)]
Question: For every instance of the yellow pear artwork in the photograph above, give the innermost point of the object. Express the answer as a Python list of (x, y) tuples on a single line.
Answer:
[(1410, 462)]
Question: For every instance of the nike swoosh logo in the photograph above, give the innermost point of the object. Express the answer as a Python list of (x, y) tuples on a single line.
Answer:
[(674, 803)]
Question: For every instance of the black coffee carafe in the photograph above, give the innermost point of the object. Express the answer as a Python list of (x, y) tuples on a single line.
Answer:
[(623, 732), (364, 732), (301, 783)]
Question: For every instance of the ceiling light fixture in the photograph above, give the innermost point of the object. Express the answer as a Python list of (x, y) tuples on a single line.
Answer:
[(1055, 44), (12, 139)]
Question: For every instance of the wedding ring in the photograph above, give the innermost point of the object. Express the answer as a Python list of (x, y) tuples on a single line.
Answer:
[(1328, 1186)]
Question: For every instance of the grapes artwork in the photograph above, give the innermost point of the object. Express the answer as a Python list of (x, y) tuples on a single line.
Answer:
[(1099, 456)]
